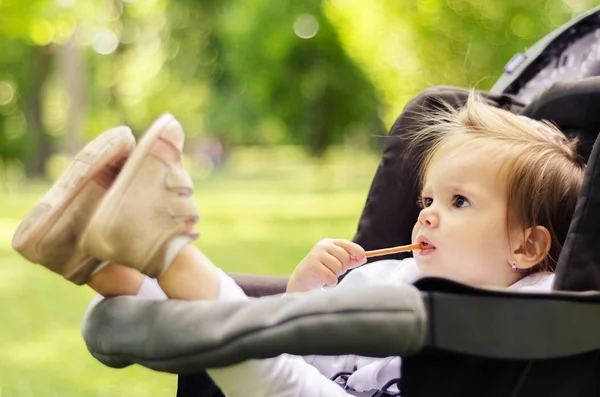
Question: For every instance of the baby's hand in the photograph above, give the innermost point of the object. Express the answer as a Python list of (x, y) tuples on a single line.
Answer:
[(329, 259)]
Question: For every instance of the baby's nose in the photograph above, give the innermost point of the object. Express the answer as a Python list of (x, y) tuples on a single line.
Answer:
[(428, 218)]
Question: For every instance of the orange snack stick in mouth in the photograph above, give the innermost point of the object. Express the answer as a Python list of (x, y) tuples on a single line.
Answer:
[(393, 250)]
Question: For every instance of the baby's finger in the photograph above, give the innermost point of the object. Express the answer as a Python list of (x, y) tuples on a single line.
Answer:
[(328, 277), (344, 258), (333, 262), (355, 251)]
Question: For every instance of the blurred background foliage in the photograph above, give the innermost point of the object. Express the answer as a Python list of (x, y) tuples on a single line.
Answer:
[(313, 73)]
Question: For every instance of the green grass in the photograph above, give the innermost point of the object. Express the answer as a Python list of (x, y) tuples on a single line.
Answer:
[(261, 214)]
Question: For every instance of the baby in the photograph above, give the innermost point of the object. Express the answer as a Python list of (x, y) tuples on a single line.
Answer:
[(498, 194)]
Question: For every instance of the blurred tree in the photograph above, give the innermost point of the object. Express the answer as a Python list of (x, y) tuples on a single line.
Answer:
[(281, 76), (252, 72), (29, 32), (407, 46), (13, 123), (39, 145)]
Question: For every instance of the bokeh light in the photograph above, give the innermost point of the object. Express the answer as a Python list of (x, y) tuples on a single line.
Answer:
[(105, 42), (130, 32), (7, 93), (66, 3), (42, 32), (306, 26), (15, 125)]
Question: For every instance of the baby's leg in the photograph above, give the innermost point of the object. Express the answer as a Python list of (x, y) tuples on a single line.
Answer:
[(116, 280), (143, 216), (146, 220), (190, 276)]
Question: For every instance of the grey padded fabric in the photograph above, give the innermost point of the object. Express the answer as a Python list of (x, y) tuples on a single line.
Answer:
[(183, 337)]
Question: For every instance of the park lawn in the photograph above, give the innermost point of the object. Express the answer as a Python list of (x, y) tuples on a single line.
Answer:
[(260, 214)]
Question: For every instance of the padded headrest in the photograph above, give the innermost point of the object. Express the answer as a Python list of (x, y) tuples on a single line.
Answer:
[(578, 266), (574, 106)]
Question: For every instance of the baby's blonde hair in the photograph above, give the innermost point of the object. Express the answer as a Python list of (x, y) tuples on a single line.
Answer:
[(543, 168)]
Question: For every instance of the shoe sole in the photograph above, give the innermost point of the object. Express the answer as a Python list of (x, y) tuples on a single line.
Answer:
[(100, 161), (165, 128)]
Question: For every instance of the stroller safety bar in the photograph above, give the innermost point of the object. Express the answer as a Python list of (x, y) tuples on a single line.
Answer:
[(183, 337)]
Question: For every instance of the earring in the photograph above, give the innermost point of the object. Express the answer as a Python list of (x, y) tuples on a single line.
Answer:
[(514, 266)]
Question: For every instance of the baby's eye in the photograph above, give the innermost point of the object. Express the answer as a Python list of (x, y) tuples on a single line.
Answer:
[(424, 202), (460, 201)]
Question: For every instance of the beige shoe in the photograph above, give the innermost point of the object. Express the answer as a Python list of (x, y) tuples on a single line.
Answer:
[(148, 205), (50, 233)]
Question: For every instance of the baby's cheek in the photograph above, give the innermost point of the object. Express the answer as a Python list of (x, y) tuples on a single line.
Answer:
[(415, 230)]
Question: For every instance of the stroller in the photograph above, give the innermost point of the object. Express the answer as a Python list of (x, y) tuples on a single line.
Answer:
[(455, 340)]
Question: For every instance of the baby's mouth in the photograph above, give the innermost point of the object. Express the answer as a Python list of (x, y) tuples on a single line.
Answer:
[(426, 247), (425, 243)]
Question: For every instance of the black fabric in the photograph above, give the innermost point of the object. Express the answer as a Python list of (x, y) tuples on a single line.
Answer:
[(548, 56), (573, 107), (391, 210), (197, 385), (481, 323), (464, 376), (578, 266)]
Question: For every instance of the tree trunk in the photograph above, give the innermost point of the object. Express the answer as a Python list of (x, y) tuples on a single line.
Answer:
[(72, 73), (40, 142)]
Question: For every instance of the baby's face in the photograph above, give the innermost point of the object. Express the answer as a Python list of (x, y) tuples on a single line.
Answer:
[(463, 221)]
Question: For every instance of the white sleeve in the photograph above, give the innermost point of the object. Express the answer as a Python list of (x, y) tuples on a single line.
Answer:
[(283, 376), (332, 365), (151, 290), (385, 272)]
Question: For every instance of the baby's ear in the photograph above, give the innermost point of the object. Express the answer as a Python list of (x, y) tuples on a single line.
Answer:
[(535, 247)]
